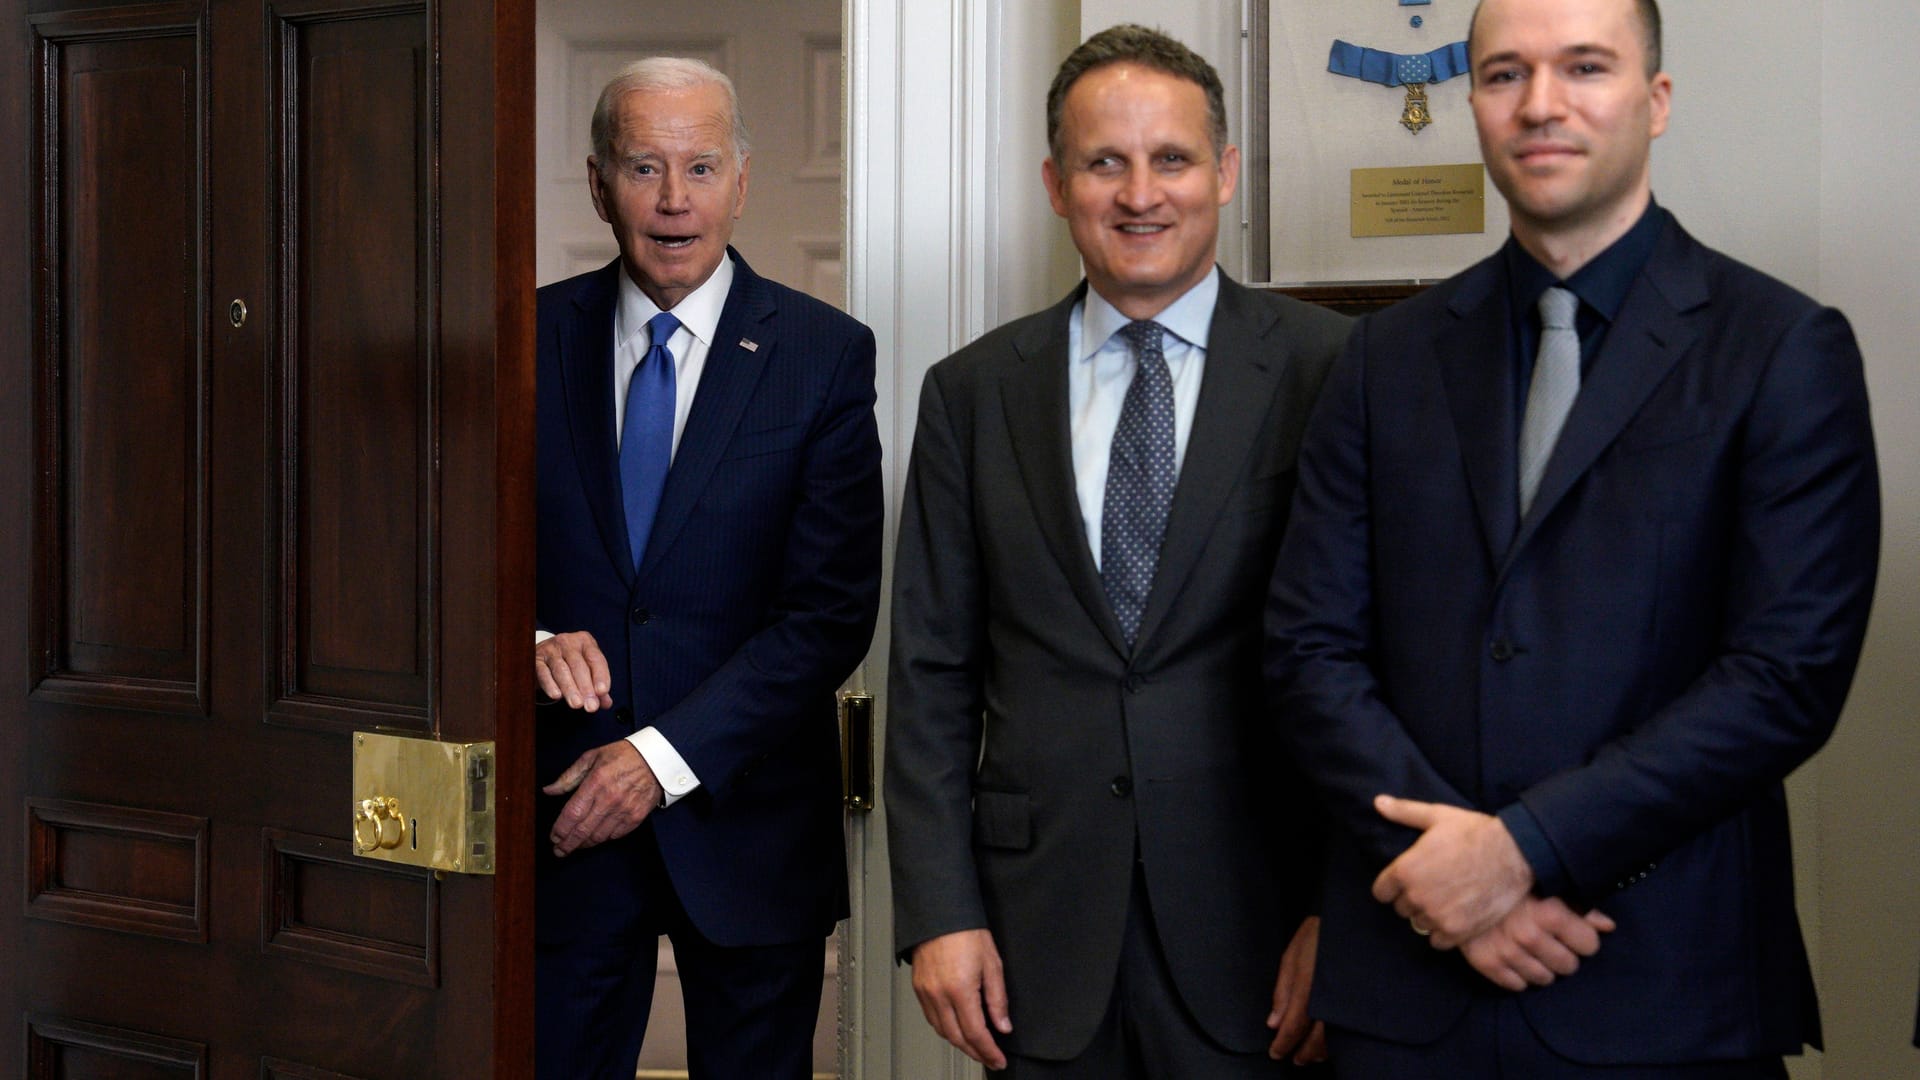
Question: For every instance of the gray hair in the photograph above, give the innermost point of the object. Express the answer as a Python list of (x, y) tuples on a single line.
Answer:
[(662, 73)]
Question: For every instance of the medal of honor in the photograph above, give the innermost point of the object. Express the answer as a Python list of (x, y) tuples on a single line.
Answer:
[(1415, 71), (1414, 116)]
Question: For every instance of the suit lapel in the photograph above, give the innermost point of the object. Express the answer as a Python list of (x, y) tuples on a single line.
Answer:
[(1472, 354), (726, 385), (1236, 393), (1642, 346), (586, 369), (1034, 396)]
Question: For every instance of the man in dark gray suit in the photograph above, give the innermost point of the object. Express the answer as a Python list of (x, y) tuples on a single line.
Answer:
[(1097, 870)]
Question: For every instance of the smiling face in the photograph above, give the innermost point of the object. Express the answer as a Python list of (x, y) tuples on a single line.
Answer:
[(1140, 185), (1567, 111), (672, 187)]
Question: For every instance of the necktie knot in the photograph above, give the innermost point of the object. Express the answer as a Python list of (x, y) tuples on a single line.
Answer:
[(1557, 309), (660, 330), (1143, 335)]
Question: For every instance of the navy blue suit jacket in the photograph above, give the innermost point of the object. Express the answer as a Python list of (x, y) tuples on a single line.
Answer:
[(755, 599), (1638, 662)]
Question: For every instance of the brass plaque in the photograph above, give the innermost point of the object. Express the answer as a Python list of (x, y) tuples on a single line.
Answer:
[(1422, 200), (423, 803)]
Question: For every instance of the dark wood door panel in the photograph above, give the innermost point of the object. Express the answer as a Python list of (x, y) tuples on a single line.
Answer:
[(324, 906), (118, 868), (235, 553), (358, 363), (119, 592), (63, 1049)]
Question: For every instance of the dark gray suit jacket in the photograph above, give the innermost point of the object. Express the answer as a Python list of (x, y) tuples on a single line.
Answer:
[(1030, 755)]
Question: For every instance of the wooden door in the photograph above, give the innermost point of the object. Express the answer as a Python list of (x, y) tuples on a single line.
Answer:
[(265, 457)]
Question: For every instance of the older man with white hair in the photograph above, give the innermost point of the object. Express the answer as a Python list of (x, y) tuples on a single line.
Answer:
[(709, 526)]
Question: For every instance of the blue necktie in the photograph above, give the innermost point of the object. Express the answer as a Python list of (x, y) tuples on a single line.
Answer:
[(646, 434), (1140, 476)]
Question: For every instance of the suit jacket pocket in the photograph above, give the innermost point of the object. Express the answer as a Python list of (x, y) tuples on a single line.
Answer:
[(1263, 493), (768, 441), (1001, 819), (1659, 432)]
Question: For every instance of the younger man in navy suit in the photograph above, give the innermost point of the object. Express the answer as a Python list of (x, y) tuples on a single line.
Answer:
[(1564, 599)]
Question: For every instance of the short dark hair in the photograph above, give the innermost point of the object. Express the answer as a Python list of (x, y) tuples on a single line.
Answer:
[(1648, 12), (1131, 43)]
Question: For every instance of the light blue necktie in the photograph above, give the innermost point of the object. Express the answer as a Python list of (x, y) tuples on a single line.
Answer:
[(1140, 476), (646, 434)]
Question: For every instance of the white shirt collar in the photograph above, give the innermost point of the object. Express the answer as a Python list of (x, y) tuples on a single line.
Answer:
[(1189, 318), (698, 312)]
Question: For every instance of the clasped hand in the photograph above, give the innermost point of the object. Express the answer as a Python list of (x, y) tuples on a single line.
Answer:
[(571, 668), (1465, 884), (613, 787)]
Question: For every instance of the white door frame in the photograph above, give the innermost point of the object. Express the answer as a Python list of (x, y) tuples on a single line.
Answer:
[(921, 154)]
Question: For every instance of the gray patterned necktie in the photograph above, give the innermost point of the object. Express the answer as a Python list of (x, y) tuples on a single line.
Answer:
[(1140, 477), (1556, 382)]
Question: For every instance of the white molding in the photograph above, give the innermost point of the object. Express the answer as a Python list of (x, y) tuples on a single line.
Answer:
[(826, 96), (921, 147), (975, 71), (825, 273)]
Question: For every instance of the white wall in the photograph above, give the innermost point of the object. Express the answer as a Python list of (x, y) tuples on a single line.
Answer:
[(1868, 868), (1787, 150)]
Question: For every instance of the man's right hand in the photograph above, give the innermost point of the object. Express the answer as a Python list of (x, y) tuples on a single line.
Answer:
[(1537, 942), (572, 668), (954, 975)]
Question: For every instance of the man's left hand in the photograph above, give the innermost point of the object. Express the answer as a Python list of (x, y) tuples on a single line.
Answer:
[(1293, 1032), (613, 792), (1459, 879), (1539, 941)]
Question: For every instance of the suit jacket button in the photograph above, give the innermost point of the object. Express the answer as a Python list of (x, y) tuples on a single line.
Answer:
[(1501, 650), (1121, 787), (641, 616), (1133, 683)]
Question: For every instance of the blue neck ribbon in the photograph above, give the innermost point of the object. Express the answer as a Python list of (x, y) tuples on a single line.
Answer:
[(1398, 69)]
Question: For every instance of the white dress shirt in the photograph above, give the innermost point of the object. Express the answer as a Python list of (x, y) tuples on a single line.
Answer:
[(1100, 367), (699, 315)]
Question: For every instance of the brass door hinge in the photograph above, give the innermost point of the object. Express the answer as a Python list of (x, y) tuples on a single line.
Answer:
[(856, 751)]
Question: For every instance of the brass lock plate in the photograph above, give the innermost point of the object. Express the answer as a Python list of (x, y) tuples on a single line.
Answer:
[(423, 803)]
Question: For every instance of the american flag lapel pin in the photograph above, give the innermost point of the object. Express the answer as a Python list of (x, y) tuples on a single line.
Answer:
[(750, 346)]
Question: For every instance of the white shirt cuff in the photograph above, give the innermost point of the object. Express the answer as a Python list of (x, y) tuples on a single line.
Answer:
[(675, 776), (540, 636)]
